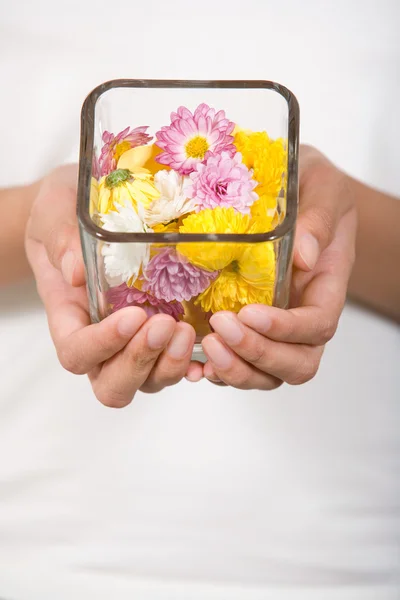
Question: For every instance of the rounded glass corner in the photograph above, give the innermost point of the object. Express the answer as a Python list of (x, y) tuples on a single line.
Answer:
[(87, 149)]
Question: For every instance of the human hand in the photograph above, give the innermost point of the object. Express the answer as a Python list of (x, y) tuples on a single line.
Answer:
[(263, 346), (124, 352)]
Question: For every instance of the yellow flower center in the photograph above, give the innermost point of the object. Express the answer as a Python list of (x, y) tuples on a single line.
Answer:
[(120, 149), (197, 147)]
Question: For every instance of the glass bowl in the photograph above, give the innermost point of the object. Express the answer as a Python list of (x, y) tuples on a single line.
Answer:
[(187, 197)]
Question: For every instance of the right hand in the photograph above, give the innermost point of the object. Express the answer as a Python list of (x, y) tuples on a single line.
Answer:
[(126, 351)]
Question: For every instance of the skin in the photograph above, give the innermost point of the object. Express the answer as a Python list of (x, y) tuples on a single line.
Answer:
[(261, 347)]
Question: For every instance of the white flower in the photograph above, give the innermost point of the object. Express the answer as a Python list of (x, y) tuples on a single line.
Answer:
[(173, 202), (123, 261)]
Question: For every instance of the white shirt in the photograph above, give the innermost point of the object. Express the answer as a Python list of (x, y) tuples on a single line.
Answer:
[(201, 492)]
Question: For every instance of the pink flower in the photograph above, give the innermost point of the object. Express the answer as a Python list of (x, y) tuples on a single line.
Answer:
[(169, 276), (223, 181), (123, 295), (191, 137), (116, 145)]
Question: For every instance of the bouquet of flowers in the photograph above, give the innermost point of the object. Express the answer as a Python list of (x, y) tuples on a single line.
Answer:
[(201, 174)]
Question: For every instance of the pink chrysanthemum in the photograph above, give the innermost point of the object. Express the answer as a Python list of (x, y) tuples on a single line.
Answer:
[(192, 137), (116, 145), (223, 181), (123, 295), (169, 276)]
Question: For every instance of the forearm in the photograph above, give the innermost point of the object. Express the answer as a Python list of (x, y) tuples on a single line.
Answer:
[(15, 204), (376, 275)]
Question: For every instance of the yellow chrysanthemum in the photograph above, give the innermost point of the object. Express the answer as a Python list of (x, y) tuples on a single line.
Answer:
[(141, 157), (172, 227), (268, 159), (123, 185), (247, 271), (247, 280), (208, 255), (94, 197)]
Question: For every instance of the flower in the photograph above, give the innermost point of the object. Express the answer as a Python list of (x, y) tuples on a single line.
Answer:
[(213, 256), (169, 276), (265, 205), (173, 201), (247, 280), (142, 157), (123, 185), (247, 270), (268, 159), (223, 181), (123, 295), (190, 137), (116, 145), (124, 261), (94, 197)]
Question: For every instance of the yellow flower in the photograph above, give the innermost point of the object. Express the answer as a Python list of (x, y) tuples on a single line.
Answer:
[(248, 280), (141, 157), (209, 255), (123, 185), (247, 270), (94, 197), (172, 227), (268, 159)]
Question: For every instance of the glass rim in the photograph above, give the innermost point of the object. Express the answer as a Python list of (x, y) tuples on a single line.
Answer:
[(86, 150)]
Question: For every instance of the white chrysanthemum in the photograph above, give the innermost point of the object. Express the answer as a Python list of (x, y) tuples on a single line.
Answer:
[(173, 202), (123, 261)]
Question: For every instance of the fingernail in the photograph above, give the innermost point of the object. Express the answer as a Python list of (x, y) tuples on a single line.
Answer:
[(68, 264), (217, 353), (309, 250), (179, 345), (159, 334), (227, 326), (193, 377), (255, 317), (128, 325)]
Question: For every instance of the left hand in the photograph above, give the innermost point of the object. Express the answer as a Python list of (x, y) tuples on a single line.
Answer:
[(263, 346)]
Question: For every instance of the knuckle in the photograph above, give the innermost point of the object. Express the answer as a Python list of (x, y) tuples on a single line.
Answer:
[(306, 370), (256, 352), (58, 239), (327, 330), (143, 361), (321, 222), (112, 398), (70, 361)]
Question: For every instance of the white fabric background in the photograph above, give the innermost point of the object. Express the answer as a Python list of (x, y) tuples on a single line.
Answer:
[(201, 492)]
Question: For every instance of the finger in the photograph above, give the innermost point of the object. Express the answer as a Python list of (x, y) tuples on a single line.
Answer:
[(322, 301), (325, 196), (210, 374), (174, 361), (53, 222), (293, 363), (233, 370), (80, 345), (118, 380), (195, 372)]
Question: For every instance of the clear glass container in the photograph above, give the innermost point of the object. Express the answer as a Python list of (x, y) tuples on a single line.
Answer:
[(188, 211)]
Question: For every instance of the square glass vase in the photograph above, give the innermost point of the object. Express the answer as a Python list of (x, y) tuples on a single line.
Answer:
[(187, 197)]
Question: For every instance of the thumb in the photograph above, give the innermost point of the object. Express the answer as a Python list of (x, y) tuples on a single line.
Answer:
[(325, 198), (54, 224)]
